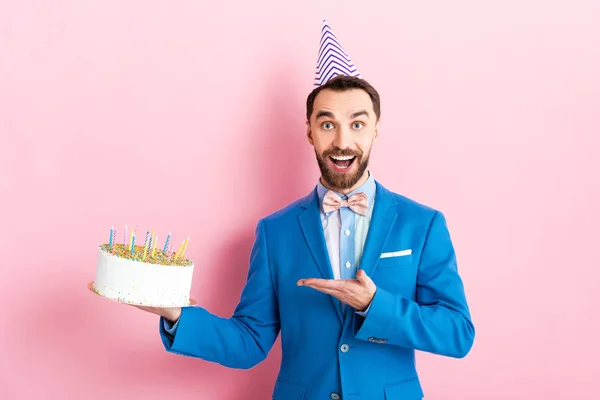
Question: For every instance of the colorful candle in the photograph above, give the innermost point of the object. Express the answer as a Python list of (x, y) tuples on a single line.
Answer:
[(114, 244), (135, 233), (132, 242), (167, 242), (125, 237), (171, 253), (154, 245), (111, 239), (146, 244), (177, 253), (185, 247), (179, 250)]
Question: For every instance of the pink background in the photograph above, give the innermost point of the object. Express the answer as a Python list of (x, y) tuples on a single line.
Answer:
[(147, 112)]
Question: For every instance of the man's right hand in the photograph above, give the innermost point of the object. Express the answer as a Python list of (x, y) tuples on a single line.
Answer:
[(169, 313)]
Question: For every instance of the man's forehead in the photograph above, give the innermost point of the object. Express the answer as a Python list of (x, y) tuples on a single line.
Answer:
[(343, 103)]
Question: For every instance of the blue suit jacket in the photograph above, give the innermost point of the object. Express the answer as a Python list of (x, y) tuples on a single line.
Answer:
[(419, 304)]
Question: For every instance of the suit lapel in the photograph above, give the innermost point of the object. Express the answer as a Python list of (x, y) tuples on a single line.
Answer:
[(312, 228), (382, 220)]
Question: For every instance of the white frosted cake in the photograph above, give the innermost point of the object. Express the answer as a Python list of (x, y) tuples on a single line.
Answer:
[(143, 275)]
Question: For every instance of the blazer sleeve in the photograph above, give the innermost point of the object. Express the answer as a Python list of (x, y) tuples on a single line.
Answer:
[(243, 340), (438, 320)]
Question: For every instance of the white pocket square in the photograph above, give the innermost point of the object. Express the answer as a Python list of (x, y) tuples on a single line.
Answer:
[(406, 252)]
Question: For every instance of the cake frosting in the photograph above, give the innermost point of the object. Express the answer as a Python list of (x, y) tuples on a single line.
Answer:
[(143, 275)]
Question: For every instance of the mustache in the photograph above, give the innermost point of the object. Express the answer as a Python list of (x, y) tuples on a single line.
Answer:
[(336, 151)]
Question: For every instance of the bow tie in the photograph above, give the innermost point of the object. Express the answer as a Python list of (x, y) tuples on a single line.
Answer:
[(358, 202)]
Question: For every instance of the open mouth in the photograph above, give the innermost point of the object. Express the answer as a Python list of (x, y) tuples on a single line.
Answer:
[(342, 163)]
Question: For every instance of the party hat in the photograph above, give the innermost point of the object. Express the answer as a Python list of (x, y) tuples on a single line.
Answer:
[(332, 60)]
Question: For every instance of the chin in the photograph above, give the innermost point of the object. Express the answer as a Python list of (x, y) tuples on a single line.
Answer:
[(341, 180)]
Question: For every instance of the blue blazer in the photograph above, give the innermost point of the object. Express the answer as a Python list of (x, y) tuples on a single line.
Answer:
[(327, 353)]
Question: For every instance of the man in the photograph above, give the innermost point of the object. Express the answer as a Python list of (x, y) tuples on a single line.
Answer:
[(353, 276)]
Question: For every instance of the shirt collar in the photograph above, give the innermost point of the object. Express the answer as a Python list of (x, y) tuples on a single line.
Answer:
[(368, 188)]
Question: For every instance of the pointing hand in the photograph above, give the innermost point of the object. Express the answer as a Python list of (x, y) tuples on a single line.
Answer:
[(357, 293)]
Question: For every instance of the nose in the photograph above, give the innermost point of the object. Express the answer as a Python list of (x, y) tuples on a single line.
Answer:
[(343, 137)]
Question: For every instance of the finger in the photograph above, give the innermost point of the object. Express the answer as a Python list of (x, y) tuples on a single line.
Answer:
[(362, 277), (310, 281), (346, 294), (149, 309), (342, 296), (326, 283), (326, 289)]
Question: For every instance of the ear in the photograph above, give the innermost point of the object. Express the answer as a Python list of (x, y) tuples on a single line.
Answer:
[(376, 131), (309, 133)]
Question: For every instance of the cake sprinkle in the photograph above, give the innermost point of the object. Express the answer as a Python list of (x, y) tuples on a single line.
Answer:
[(157, 256)]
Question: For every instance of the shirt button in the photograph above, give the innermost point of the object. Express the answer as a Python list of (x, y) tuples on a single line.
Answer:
[(347, 232), (348, 264), (345, 348), (335, 396)]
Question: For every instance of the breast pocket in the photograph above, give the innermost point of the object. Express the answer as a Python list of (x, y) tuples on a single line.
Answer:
[(395, 261), (397, 275)]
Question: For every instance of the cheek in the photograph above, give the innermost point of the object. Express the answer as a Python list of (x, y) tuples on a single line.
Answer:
[(321, 144), (364, 143)]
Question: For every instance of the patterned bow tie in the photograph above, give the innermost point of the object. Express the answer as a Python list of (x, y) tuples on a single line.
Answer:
[(358, 202)]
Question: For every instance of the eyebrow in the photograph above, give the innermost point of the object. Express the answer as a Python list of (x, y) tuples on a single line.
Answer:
[(359, 113), (329, 114), (322, 113)]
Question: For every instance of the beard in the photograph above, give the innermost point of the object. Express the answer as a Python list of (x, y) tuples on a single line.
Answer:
[(342, 180)]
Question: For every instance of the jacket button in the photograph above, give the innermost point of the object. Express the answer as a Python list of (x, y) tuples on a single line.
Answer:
[(335, 396), (345, 348)]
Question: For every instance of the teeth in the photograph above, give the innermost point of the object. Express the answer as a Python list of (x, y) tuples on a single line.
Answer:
[(342, 158)]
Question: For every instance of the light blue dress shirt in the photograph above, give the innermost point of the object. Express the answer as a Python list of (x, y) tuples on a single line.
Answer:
[(345, 234)]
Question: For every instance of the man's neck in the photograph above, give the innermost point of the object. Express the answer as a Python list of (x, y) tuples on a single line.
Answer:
[(358, 184)]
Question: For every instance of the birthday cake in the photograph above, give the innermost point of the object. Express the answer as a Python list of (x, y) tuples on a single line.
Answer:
[(143, 274)]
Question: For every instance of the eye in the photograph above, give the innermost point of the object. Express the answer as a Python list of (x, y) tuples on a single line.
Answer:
[(327, 125), (358, 125)]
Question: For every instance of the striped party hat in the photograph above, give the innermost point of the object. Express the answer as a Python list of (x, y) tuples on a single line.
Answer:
[(332, 60)]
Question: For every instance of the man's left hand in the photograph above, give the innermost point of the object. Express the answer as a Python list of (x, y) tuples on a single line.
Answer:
[(169, 313), (357, 293)]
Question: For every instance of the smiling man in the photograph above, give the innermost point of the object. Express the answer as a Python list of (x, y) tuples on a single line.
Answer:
[(355, 277)]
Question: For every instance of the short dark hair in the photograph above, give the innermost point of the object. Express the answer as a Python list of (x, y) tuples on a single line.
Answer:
[(341, 83)]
